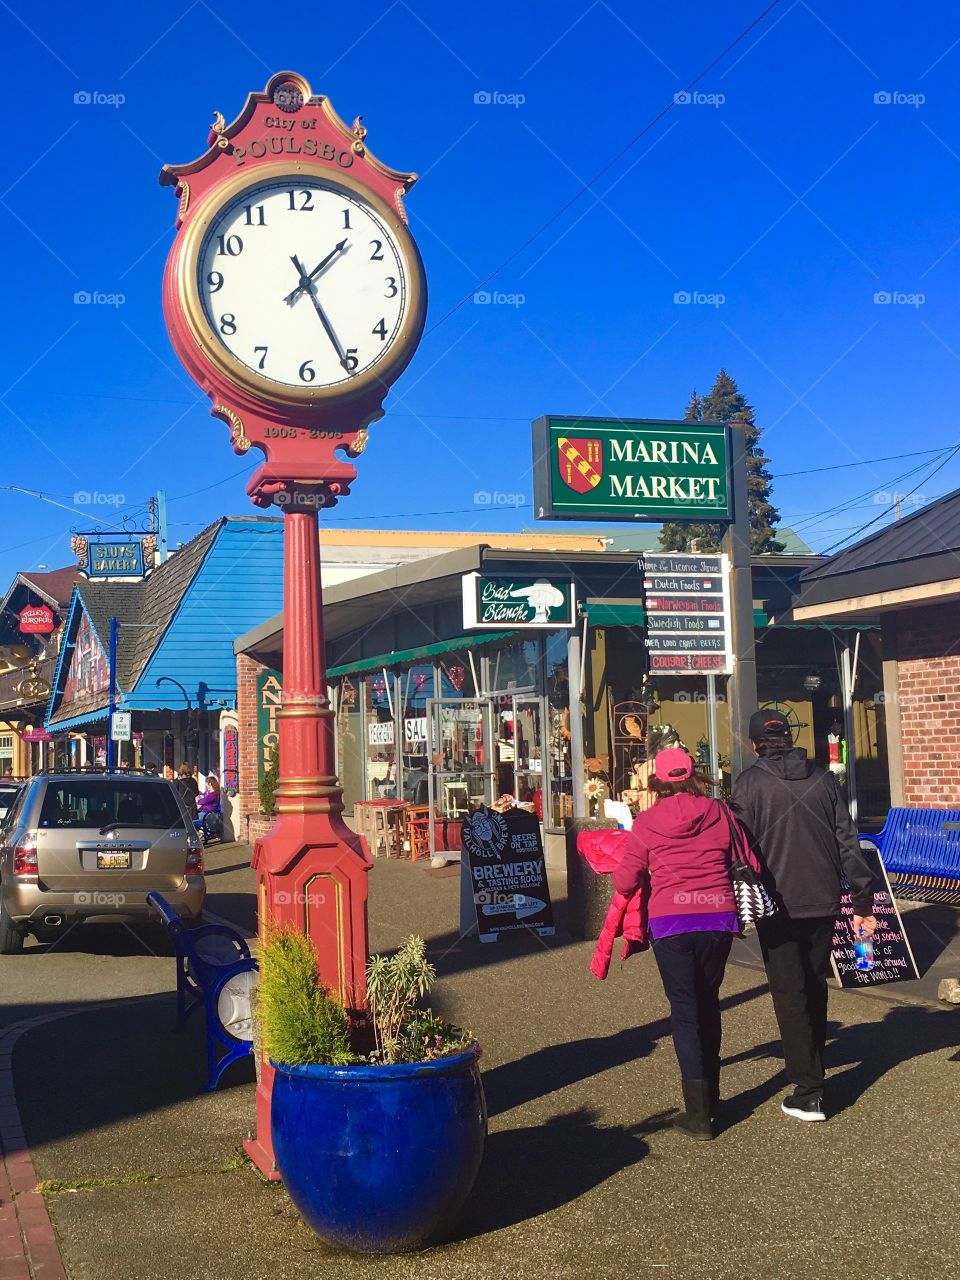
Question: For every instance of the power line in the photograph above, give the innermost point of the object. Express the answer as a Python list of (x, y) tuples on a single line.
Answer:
[(928, 476), (605, 169), (842, 466)]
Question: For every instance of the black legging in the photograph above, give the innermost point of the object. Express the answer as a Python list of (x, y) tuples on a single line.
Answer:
[(692, 966)]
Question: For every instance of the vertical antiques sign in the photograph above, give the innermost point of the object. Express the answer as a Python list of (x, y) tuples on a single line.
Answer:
[(269, 701), (631, 469)]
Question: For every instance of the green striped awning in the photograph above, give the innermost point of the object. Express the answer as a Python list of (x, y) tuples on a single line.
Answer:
[(400, 657)]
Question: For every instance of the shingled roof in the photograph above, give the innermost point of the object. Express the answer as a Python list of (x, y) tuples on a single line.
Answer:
[(921, 549), (144, 610)]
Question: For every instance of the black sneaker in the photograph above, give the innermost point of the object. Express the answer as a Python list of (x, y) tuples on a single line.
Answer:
[(804, 1108)]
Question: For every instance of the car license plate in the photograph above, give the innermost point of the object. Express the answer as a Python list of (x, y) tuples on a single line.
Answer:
[(115, 859)]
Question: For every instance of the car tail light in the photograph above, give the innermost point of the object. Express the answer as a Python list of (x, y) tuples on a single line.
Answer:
[(195, 862), (25, 860)]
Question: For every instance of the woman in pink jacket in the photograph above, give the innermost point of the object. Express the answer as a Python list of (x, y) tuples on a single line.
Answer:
[(684, 844)]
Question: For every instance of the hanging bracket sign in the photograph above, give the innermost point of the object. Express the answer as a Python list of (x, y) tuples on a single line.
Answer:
[(687, 602), (500, 602)]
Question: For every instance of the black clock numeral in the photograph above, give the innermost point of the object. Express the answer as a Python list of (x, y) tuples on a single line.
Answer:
[(228, 323), (346, 220), (307, 371), (350, 361), (229, 245), (306, 201), (391, 283), (380, 329), (377, 255), (215, 281), (263, 356), (250, 210)]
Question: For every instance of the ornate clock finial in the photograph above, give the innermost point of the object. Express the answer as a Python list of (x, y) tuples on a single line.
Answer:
[(218, 134), (359, 132)]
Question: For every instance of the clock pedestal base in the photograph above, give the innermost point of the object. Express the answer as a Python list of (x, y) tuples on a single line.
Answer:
[(311, 868)]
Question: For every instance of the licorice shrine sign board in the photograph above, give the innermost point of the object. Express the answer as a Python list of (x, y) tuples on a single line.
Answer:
[(893, 959), (503, 875)]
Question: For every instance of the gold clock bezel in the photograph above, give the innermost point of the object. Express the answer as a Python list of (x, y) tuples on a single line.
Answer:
[(265, 389)]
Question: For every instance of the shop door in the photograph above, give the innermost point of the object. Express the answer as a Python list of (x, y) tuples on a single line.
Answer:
[(461, 768), (520, 747)]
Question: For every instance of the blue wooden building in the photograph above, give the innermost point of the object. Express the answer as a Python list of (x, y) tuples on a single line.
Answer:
[(176, 671)]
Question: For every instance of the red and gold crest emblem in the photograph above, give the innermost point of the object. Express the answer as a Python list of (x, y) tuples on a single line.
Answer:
[(580, 462)]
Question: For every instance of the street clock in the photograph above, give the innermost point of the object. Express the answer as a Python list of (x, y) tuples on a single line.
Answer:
[(294, 292)]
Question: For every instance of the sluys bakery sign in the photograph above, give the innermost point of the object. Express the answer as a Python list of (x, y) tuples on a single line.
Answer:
[(625, 469)]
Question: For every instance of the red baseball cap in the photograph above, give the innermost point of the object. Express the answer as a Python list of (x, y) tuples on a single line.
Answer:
[(673, 764)]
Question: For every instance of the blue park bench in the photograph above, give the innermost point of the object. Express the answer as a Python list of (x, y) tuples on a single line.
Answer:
[(215, 971), (920, 849)]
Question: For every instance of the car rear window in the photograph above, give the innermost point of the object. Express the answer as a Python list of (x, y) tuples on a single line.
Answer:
[(93, 802)]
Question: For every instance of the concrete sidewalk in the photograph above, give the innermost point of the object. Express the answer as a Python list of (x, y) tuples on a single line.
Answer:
[(583, 1174)]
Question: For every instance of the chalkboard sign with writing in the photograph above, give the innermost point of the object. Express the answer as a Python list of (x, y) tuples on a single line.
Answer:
[(892, 958), (503, 873)]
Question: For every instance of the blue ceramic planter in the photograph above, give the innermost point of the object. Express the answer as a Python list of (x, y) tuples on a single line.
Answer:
[(380, 1159)]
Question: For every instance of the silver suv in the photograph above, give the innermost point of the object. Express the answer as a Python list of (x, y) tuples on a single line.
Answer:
[(88, 845)]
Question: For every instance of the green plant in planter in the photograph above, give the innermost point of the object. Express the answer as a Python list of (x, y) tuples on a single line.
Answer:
[(301, 1021), (403, 1032)]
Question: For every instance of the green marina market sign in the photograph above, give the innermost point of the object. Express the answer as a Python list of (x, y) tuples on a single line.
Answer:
[(630, 469)]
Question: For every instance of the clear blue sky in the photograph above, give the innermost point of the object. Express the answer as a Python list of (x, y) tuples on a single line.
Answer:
[(797, 197)]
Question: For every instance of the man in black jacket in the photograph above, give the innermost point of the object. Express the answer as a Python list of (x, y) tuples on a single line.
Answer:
[(803, 832)]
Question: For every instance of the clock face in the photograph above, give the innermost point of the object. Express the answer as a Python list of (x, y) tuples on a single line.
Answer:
[(305, 284)]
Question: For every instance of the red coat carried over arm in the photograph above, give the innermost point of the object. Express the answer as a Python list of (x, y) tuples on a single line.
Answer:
[(626, 916)]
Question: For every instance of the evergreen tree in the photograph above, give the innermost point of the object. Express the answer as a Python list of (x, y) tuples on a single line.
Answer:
[(724, 403)]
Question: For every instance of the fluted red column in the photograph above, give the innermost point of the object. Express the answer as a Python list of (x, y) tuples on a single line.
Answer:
[(305, 724)]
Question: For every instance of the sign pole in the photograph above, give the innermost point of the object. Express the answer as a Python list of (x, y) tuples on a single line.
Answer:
[(112, 705), (742, 686), (712, 728)]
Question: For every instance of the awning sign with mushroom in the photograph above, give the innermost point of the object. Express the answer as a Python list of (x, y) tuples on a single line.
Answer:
[(501, 602)]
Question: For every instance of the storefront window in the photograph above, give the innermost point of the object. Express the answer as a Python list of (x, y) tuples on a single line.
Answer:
[(516, 666), (348, 710), (380, 694), (6, 753), (417, 684), (455, 671)]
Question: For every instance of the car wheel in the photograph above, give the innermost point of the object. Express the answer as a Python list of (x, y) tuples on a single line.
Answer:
[(11, 938)]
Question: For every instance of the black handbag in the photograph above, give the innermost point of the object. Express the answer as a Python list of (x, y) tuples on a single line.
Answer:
[(751, 898)]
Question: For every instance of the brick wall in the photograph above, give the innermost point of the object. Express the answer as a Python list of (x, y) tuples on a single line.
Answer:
[(928, 677), (252, 823)]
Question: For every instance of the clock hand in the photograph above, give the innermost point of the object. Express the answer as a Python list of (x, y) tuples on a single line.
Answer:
[(305, 279), (328, 327)]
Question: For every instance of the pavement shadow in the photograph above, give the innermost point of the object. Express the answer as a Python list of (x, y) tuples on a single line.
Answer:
[(222, 871), (871, 1049), (114, 940), (856, 1057), (559, 1065), (932, 929), (531, 1171), (125, 1059)]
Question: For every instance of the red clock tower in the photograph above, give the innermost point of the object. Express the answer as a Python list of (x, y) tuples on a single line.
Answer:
[(294, 295)]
